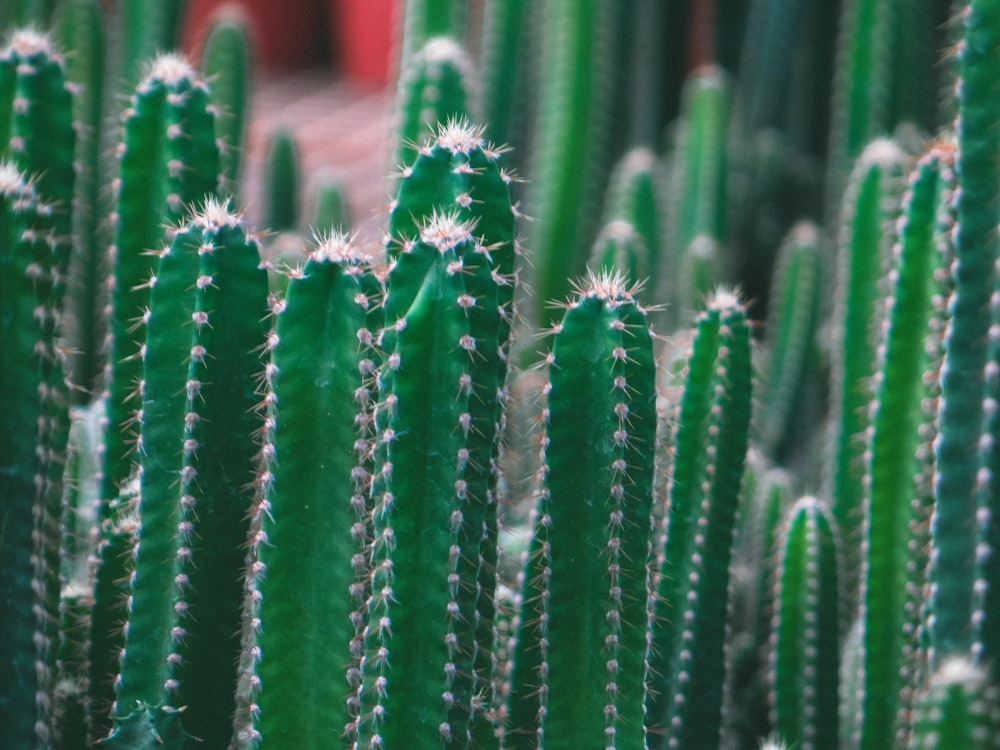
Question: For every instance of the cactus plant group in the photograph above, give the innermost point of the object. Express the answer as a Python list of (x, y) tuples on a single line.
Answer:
[(668, 422)]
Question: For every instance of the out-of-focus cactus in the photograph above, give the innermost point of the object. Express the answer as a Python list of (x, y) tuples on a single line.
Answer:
[(959, 708), (225, 65), (806, 652)]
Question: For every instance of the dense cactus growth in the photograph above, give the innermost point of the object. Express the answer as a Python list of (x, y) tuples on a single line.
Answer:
[(377, 494)]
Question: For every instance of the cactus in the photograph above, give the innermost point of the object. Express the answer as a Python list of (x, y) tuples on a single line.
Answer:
[(587, 683), (959, 708), (805, 654), (201, 366), (708, 455), (869, 218), (962, 406), (897, 495), (310, 519), (31, 459), (225, 63)]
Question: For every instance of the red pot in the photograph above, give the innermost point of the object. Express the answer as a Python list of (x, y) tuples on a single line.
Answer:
[(363, 34), (284, 35)]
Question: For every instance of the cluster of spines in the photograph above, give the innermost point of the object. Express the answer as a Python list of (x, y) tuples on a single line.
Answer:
[(708, 453), (310, 524), (580, 665), (205, 328)]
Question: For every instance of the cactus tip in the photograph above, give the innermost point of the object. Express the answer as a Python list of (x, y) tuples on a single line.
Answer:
[(445, 231), (338, 246), (171, 68), (30, 41)]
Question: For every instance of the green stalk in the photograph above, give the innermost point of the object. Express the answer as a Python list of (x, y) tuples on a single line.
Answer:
[(805, 654), (901, 432), (586, 685), (310, 522), (710, 446), (871, 208), (198, 421)]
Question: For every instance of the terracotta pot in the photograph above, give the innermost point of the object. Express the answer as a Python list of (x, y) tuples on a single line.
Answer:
[(285, 35), (362, 36)]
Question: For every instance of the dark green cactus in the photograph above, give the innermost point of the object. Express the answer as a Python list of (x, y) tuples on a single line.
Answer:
[(310, 522), (225, 64), (198, 425), (958, 708), (580, 668), (30, 459), (806, 653), (962, 405), (709, 448)]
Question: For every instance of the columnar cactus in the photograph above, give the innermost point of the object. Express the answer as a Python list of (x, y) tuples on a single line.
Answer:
[(198, 441), (414, 678), (310, 521), (29, 550), (898, 495), (709, 448), (581, 666), (806, 652)]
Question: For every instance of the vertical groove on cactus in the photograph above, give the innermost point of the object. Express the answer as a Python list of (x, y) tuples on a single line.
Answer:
[(708, 457)]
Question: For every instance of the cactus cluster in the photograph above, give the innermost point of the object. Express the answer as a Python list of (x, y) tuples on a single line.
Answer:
[(687, 438)]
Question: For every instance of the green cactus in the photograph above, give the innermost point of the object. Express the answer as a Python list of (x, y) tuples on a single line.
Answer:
[(871, 208), (958, 708), (281, 180), (962, 405), (897, 497), (198, 421), (620, 249), (791, 332), (30, 459), (586, 685), (310, 526), (709, 448), (225, 64), (805, 654), (436, 87)]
